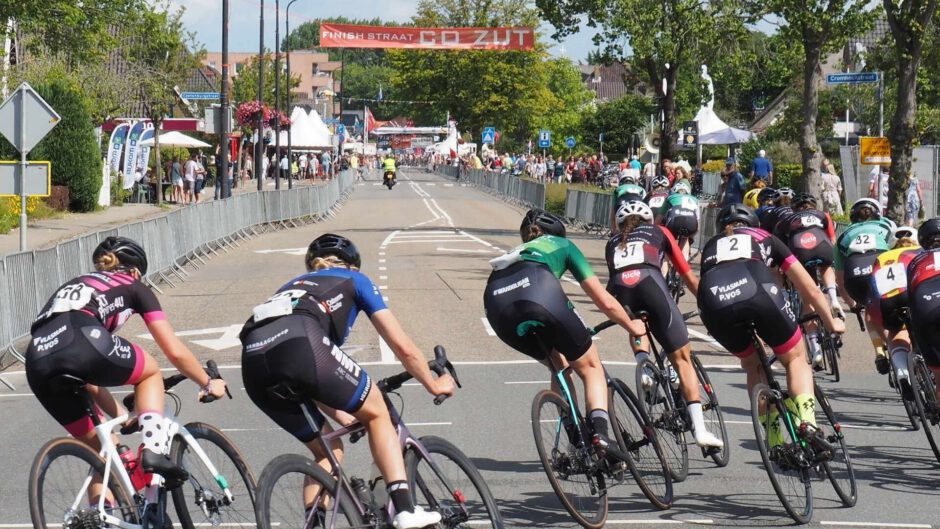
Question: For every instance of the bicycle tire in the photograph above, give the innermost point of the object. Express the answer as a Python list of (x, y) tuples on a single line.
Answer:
[(433, 491), (910, 408), (637, 439), (659, 406), (277, 508), (923, 385), (839, 469), (831, 357), (792, 485), (83, 459), (561, 461), (203, 490), (711, 409)]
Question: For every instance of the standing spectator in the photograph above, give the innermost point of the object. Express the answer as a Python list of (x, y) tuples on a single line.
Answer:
[(540, 169), (550, 167), (249, 167), (302, 162), (635, 163), (200, 178), (559, 171), (878, 185), (284, 166), (314, 170), (734, 185), (326, 161), (176, 175), (189, 180), (762, 170), (594, 170), (832, 189), (914, 200), (265, 162)]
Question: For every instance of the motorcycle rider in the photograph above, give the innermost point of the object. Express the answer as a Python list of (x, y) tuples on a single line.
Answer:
[(389, 169)]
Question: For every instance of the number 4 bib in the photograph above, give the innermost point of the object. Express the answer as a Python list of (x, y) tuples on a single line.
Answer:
[(891, 278)]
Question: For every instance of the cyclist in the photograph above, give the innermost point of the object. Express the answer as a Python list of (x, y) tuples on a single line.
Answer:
[(889, 294), (680, 214), (854, 258), (781, 209), (765, 201), (389, 169), (810, 235), (514, 309), (924, 281), (634, 257), (628, 189), (74, 335), (660, 191), (750, 198), (737, 289), (295, 337)]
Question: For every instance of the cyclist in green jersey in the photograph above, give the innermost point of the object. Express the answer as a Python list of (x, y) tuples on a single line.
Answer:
[(680, 215), (627, 189), (527, 308)]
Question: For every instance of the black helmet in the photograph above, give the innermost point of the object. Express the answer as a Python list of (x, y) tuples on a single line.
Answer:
[(804, 199), (331, 244), (736, 213), (129, 253), (928, 231), (767, 193), (549, 223)]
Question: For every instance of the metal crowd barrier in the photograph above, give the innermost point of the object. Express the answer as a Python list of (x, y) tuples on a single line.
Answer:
[(520, 191), (185, 236)]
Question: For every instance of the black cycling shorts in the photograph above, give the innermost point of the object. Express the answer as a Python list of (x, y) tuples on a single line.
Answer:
[(644, 289), (528, 297), (925, 319), (681, 222), (75, 343), (732, 295), (887, 311), (295, 349), (809, 246), (857, 270)]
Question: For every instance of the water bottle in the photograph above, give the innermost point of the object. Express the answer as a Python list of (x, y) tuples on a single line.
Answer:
[(139, 478), (363, 493), (673, 376)]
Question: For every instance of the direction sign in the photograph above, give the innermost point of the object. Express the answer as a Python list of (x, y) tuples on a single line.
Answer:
[(489, 135), (545, 139), (38, 118), (192, 96), (38, 179), (852, 78), (570, 142)]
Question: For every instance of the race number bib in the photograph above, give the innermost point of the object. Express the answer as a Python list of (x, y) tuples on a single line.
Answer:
[(891, 278), (71, 297), (280, 304), (862, 243), (656, 202), (631, 255), (689, 204), (733, 247)]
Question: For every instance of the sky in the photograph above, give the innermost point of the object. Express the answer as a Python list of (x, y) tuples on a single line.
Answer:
[(204, 18)]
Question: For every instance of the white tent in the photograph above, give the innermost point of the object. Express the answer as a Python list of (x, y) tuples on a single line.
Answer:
[(176, 139), (303, 134), (713, 131), (317, 124)]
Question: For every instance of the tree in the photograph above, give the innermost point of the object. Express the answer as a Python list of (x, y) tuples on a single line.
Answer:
[(618, 120), (910, 22), (245, 86)]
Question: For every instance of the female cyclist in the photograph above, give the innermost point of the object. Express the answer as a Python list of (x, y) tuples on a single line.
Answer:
[(680, 215), (524, 294), (628, 189), (659, 192), (634, 258), (781, 209), (73, 335), (295, 337), (924, 280), (738, 288)]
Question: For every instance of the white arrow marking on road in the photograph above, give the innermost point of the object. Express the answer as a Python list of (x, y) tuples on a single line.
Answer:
[(227, 340), (289, 251)]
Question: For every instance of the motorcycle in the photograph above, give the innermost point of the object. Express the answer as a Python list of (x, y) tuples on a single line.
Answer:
[(389, 178)]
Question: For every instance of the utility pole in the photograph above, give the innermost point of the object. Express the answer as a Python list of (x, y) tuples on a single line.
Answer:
[(290, 152), (259, 143), (277, 96), (226, 108)]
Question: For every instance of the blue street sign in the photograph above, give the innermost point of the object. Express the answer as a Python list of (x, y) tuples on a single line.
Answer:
[(570, 142), (199, 95), (489, 135), (852, 78), (545, 139)]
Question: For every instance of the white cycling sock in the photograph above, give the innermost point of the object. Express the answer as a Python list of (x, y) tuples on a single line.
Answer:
[(833, 296), (152, 431), (697, 416), (899, 359)]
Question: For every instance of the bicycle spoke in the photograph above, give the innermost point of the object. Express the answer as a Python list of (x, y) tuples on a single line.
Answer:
[(291, 494), (924, 386), (667, 420), (839, 468)]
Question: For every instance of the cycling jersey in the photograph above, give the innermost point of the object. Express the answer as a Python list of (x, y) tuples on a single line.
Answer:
[(680, 214), (747, 244), (862, 238), (656, 199), (809, 235), (770, 218), (923, 267), (888, 287), (646, 246), (923, 276), (558, 254), (679, 201), (626, 193)]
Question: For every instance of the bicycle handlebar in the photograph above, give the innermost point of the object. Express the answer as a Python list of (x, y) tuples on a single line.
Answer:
[(440, 366), (211, 368), (858, 315)]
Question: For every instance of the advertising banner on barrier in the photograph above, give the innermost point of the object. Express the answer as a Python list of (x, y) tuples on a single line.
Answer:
[(143, 157), (116, 146), (352, 36), (130, 153)]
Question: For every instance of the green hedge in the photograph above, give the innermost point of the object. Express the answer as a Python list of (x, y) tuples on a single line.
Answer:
[(789, 175)]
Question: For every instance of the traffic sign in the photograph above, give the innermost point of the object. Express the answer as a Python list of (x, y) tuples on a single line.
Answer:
[(38, 118), (38, 179), (192, 96), (570, 142), (874, 150), (489, 135), (545, 139), (852, 78)]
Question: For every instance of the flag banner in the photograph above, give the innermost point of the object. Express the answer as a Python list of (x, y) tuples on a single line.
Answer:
[(130, 153), (370, 121), (143, 156), (116, 146), (352, 36)]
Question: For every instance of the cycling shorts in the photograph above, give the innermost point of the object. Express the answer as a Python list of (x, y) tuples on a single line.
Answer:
[(681, 222), (733, 295), (527, 297), (295, 349), (858, 269), (925, 319), (886, 311), (810, 246), (644, 289), (75, 343)]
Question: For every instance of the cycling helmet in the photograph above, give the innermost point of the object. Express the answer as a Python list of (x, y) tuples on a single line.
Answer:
[(682, 187), (750, 198), (628, 179), (767, 194), (865, 203), (902, 232), (783, 192), (331, 244), (804, 199), (736, 213), (928, 232), (634, 208), (129, 253), (549, 223), (660, 181)]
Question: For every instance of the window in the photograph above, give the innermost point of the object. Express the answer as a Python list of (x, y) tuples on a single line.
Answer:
[(315, 69)]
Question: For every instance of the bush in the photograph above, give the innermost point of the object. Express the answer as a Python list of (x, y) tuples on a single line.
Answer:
[(555, 198), (58, 199), (789, 175), (713, 166), (10, 211)]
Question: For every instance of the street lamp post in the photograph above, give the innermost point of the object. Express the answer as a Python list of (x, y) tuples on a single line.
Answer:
[(221, 180), (290, 152), (259, 149), (277, 94)]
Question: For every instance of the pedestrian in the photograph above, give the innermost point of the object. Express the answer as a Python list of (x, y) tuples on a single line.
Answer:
[(326, 160), (189, 179), (878, 185), (832, 189), (734, 184), (176, 176), (635, 163), (314, 170), (284, 166), (914, 200), (762, 170), (302, 162), (200, 182)]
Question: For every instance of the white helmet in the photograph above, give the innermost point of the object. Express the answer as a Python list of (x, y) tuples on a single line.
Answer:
[(661, 181), (902, 232), (631, 208), (682, 187)]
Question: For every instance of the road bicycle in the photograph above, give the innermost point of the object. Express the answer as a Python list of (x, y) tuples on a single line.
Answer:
[(673, 280), (582, 473), (67, 476), (666, 406), (439, 475), (803, 452), (830, 344), (923, 389)]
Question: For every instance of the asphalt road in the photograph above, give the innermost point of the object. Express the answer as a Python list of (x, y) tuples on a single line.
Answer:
[(426, 243)]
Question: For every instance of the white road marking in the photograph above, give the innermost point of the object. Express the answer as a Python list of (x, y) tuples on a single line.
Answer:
[(227, 340), (448, 185), (383, 268), (382, 260), (381, 254), (705, 338), (288, 251), (701, 521), (462, 250), (488, 327), (430, 184), (450, 221), (383, 277), (873, 524), (383, 287), (385, 298), (388, 357)]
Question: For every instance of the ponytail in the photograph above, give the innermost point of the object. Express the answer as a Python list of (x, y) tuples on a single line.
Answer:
[(107, 262), (629, 224)]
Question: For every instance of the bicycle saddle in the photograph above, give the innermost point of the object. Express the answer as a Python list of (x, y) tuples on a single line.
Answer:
[(291, 391), (68, 383)]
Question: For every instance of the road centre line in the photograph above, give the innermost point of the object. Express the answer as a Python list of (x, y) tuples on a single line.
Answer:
[(702, 521)]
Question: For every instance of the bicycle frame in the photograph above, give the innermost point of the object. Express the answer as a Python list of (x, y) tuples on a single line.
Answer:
[(765, 363)]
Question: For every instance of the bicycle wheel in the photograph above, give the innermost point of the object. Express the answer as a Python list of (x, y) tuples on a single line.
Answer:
[(202, 500), (454, 488), (910, 407), (281, 501), (57, 477), (784, 460), (637, 438), (839, 468), (666, 418), (923, 384), (831, 356), (572, 473), (712, 412)]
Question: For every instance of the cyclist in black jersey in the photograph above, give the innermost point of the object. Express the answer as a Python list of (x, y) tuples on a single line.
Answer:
[(529, 311), (74, 335), (295, 337), (765, 201), (781, 209)]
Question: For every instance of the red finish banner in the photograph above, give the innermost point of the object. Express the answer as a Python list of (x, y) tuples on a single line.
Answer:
[(350, 36)]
